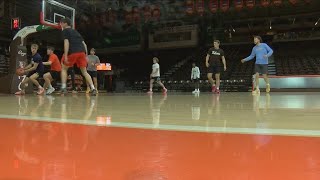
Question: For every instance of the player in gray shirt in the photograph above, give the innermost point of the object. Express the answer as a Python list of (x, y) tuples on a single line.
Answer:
[(93, 62)]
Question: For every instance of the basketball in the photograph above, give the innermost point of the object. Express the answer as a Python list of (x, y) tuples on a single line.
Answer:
[(20, 71)]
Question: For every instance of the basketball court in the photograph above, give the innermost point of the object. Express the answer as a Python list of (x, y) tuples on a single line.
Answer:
[(137, 136)]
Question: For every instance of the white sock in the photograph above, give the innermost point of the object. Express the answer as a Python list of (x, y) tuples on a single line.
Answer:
[(50, 86), (39, 86), (63, 85), (217, 88), (198, 89), (92, 87)]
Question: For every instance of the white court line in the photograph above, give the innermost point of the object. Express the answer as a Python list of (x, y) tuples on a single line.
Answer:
[(230, 130)]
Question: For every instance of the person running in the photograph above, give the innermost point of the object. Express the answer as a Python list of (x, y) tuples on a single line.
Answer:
[(75, 50), (262, 52), (195, 77), (213, 63), (55, 70), (93, 62), (34, 70), (155, 75)]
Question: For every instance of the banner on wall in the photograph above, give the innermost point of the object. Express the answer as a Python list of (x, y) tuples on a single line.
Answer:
[(174, 37)]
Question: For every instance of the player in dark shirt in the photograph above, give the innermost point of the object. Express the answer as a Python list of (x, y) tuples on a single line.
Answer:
[(213, 63), (34, 70), (75, 51)]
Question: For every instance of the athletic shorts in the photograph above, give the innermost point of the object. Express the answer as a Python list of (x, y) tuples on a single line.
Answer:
[(55, 75), (78, 58), (214, 69), (157, 79), (93, 74), (40, 73), (261, 68), (195, 80)]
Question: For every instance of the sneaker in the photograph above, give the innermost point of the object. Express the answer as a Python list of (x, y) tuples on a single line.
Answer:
[(40, 91), (268, 88), (257, 91), (213, 89), (20, 93), (50, 91), (198, 91), (194, 92), (63, 91), (217, 91), (74, 91), (150, 92), (93, 92), (165, 90)]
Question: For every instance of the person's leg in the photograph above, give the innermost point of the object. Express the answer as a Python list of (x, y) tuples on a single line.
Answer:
[(198, 85), (257, 89), (151, 84), (49, 77), (265, 77), (95, 82), (211, 80), (47, 80), (34, 80), (161, 84), (88, 85), (23, 86), (217, 76), (87, 77)]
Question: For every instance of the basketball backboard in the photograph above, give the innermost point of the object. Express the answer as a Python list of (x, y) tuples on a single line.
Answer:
[(52, 11)]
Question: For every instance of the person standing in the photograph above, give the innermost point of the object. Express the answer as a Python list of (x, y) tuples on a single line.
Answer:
[(75, 50), (93, 62), (262, 52), (213, 63), (195, 77)]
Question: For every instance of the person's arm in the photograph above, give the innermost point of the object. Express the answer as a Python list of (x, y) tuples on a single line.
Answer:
[(252, 55), (47, 63), (34, 67), (28, 66), (85, 47), (224, 63), (97, 62), (269, 50), (207, 60), (191, 73)]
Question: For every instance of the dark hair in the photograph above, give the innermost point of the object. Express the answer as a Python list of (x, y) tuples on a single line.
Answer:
[(217, 41), (258, 37), (155, 58), (66, 20), (50, 48)]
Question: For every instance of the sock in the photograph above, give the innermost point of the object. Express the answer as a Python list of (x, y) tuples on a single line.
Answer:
[(50, 86), (39, 86), (217, 88), (198, 89), (257, 87), (92, 87), (63, 85)]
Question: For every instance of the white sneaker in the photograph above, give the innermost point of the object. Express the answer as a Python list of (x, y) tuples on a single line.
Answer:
[(194, 92), (257, 91), (198, 91), (50, 91)]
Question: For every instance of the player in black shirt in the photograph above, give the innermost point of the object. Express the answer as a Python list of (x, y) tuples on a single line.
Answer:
[(75, 51), (34, 70), (213, 63)]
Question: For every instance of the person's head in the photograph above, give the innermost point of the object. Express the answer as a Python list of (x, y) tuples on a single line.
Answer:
[(50, 50), (216, 44), (193, 64), (34, 48), (257, 39), (92, 51), (65, 22), (155, 60)]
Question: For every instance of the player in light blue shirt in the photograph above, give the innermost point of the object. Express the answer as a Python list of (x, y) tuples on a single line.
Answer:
[(262, 52)]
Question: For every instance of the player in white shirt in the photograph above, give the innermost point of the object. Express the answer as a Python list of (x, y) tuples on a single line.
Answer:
[(195, 77), (155, 75)]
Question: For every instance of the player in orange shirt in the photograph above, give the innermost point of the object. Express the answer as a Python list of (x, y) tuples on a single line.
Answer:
[(55, 70)]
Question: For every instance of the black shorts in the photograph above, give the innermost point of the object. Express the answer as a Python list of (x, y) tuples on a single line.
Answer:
[(195, 80), (261, 68), (157, 79), (93, 74), (40, 73), (214, 69), (55, 75)]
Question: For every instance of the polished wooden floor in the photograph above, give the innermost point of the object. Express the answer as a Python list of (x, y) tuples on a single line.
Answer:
[(174, 136)]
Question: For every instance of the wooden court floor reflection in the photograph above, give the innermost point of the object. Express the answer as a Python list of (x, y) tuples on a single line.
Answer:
[(233, 136)]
